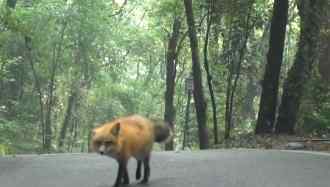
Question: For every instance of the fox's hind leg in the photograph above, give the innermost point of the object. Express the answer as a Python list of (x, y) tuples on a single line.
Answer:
[(146, 169), (138, 170)]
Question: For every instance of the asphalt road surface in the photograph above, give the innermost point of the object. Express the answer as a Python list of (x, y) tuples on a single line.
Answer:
[(215, 168)]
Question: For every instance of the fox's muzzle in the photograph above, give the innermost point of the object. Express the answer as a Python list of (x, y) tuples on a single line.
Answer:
[(102, 149)]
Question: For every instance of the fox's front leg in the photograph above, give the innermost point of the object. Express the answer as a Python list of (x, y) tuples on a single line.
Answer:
[(138, 170), (126, 177), (122, 173)]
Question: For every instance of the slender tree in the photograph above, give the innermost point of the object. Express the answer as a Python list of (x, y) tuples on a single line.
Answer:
[(231, 97), (200, 103), (236, 46), (208, 73), (11, 3), (186, 121), (310, 12), (72, 99), (270, 83), (324, 61), (169, 115)]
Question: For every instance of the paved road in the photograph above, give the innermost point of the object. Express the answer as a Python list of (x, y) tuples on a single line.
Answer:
[(216, 168)]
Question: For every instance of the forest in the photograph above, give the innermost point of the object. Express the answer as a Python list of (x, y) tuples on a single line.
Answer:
[(222, 73)]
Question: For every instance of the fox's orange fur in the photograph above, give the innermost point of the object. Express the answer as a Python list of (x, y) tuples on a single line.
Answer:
[(126, 137), (135, 138)]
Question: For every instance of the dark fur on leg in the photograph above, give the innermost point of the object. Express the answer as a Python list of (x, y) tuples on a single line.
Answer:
[(138, 170), (126, 177), (146, 170), (122, 169)]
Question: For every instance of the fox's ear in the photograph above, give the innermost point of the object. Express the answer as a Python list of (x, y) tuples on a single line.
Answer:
[(115, 129)]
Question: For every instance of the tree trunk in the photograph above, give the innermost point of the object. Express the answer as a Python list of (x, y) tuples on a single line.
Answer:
[(71, 103), (268, 101), (51, 90), (169, 115), (228, 116), (49, 110), (200, 104), (29, 56), (310, 13), (76, 85), (186, 122), (74, 134), (234, 51), (208, 74), (324, 61), (11, 3), (228, 46), (251, 92), (238, 71)]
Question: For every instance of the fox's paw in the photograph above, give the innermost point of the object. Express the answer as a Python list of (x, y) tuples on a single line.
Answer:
[(138, 175), (126, 182), (144, 181), (116, 185)]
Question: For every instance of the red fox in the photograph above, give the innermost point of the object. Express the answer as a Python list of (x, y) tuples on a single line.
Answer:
[(126, 137)]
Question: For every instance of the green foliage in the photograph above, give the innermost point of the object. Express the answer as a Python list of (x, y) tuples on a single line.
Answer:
[(113, 59), (17, 137), (316, 108)]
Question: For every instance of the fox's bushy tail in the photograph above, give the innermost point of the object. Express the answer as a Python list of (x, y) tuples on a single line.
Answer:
[(162, 131)]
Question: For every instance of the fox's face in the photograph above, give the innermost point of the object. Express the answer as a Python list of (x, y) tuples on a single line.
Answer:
[(105, 140)]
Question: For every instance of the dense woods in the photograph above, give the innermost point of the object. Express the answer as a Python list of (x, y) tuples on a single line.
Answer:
[(215, 70)]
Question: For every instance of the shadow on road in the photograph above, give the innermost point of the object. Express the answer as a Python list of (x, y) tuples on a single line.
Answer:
[(152, 183)]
